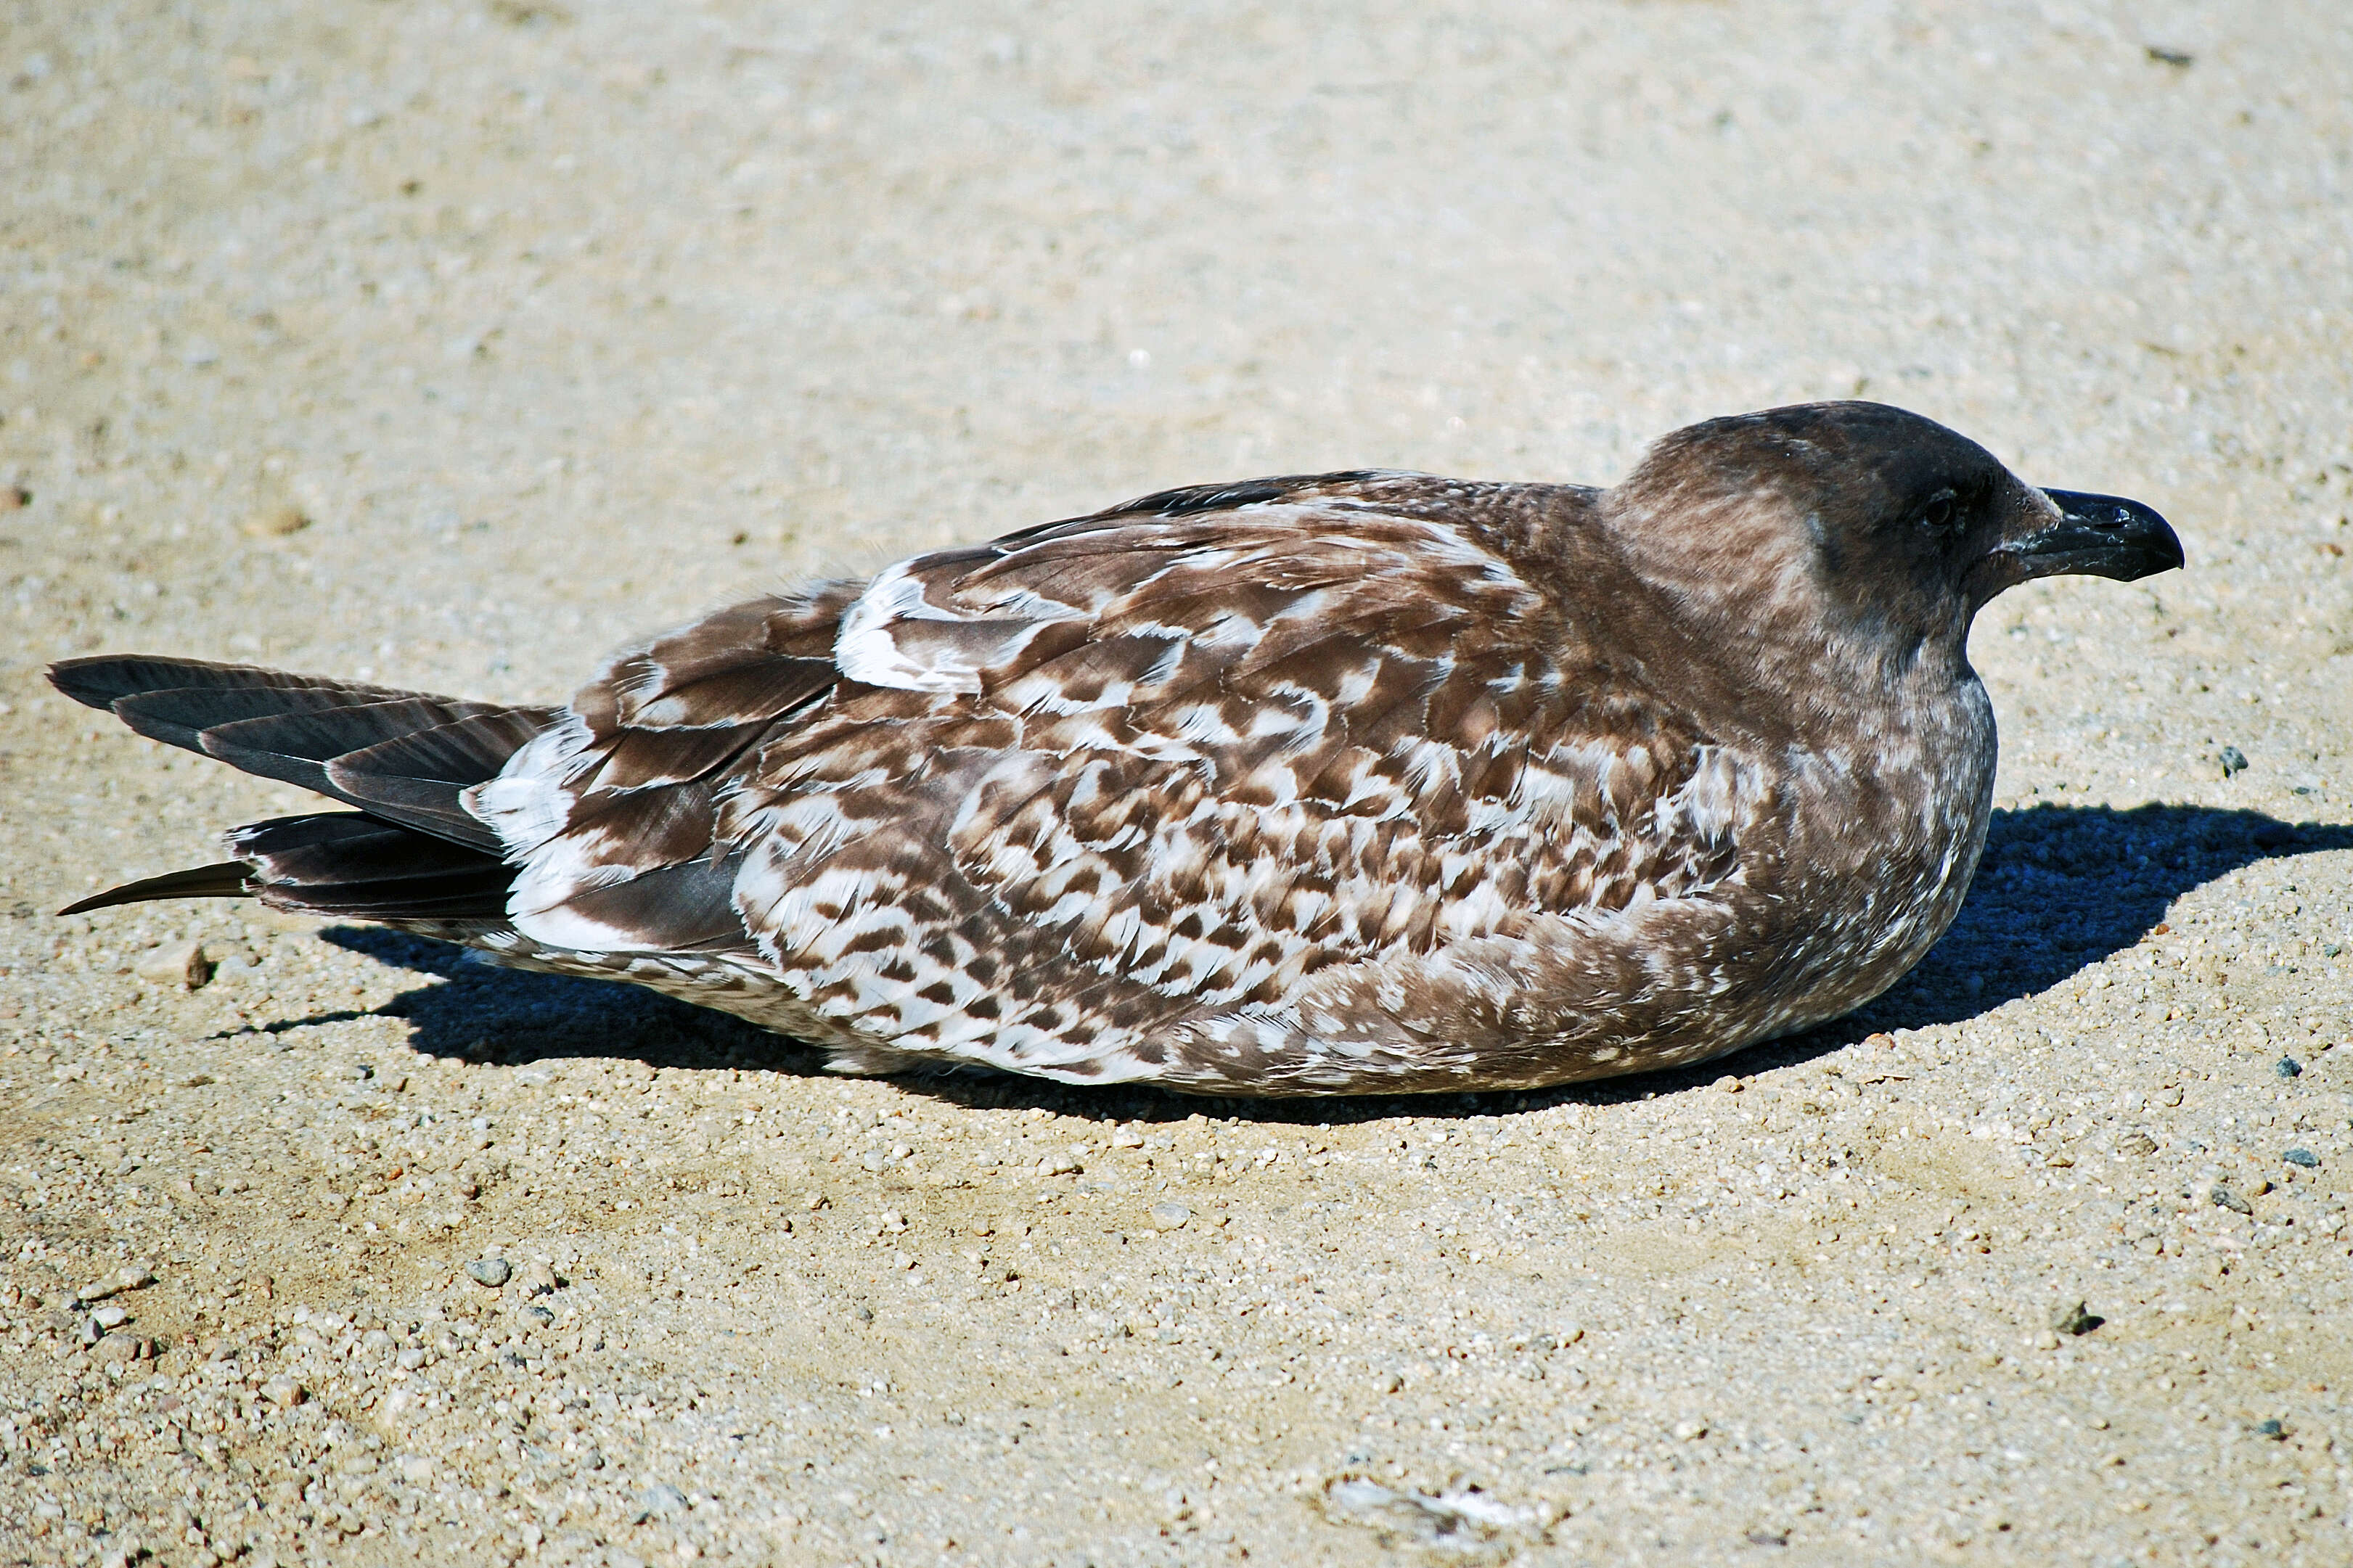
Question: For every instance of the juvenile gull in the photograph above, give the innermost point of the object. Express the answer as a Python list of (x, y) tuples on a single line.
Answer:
[(1353, 783)]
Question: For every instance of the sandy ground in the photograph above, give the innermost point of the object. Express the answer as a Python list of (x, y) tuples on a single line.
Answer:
[(453, 344)]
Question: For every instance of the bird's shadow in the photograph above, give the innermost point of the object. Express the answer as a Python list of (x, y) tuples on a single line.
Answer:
[(2060, 888)]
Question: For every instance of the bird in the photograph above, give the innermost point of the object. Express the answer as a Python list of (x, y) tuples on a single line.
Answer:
[(1359, 782)]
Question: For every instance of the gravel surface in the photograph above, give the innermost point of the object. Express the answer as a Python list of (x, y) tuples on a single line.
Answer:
[(450, 345)]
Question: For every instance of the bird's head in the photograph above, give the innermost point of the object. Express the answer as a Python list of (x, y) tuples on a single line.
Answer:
[(1862, 520)]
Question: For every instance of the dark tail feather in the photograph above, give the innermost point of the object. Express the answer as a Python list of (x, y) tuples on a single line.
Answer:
[(420, 778), (106, 679), (404, 758), (350, 865), (228, 880), (337, 865), (364, 745)]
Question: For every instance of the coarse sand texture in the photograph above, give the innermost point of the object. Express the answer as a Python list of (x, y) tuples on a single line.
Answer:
[(450, 346)]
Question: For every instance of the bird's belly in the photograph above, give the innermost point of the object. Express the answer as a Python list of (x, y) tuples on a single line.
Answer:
[(1661, 983)]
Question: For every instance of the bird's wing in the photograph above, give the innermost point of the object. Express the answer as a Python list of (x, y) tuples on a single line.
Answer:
[(611, 814), (1043, 800)]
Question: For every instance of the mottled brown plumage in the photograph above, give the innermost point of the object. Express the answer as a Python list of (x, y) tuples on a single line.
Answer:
[(1342, 784)]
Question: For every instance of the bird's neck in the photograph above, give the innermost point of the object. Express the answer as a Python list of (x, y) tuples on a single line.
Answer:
[(1806, 674), (1850, 663)]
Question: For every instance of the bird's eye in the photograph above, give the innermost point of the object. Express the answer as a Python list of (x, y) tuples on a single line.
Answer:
[(1939, 511)]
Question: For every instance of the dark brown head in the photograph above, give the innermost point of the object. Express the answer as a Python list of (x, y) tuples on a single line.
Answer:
[(1863, 520)]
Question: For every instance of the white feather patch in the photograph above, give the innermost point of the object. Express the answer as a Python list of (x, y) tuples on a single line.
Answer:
[(868, 648)]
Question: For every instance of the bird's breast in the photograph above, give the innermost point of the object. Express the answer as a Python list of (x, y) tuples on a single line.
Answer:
[(1886, 834)]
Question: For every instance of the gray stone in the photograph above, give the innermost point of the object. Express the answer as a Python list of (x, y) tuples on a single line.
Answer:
[(492, 1272), (1170, 1216), (2304, 1157)]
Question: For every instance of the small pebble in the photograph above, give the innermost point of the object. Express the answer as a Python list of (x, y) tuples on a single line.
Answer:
[(538, 1278), (181, 963), (2276, 1430), (2077, 1320), (2224, 1198), (2138, 1144), (110, 1317), (661, 1501), (492, 1272), (129, 1276), (284, 1391), (2304, 1157), (277, 521), (1170, 1216), (2233, 761), (2289, 1068)]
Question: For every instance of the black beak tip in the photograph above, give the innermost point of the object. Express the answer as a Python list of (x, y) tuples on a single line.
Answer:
[(2133, 539)]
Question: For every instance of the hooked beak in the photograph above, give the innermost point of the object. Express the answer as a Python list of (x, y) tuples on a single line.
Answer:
[(2098, 536)]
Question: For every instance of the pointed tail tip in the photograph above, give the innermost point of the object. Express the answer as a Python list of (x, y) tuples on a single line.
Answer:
[(61, 680), (227, 880)]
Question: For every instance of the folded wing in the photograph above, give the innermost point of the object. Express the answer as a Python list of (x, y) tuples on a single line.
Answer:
[(1054, 801)]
